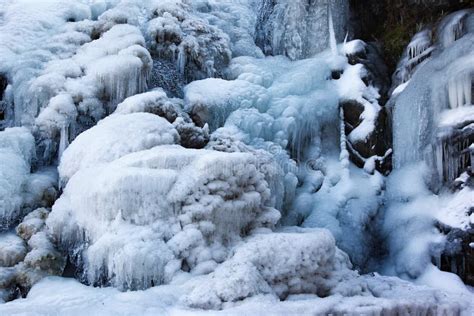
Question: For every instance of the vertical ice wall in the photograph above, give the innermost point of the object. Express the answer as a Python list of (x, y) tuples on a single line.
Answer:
[(432, 112), (438, 83)]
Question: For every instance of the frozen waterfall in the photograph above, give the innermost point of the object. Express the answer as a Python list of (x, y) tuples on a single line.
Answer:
[(230, 157)]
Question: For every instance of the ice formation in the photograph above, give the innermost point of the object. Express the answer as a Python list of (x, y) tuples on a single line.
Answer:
[(438, 97), (221, 154), (299, 29), (115, 137), (16, 152), (279, 264), (169, 209), (198, 49), (426, 99)]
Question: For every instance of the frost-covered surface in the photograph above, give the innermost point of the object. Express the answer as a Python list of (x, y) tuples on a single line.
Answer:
[(432, 116), (186, 158), (115, 137), (22, 190), (438, 96), (366, 295), (279, 264), (167, 209), (300, 29), (198, 49), (457, 211), (27, 256)]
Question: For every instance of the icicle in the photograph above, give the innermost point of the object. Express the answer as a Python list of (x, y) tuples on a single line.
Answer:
[(332, 33), (64, 140), (460, 91), (210, 68), (181, 63), (467, 88), (344, 156)]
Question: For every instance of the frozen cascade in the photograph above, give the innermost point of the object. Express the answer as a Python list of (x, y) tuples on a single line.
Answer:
[(281, 30), (231, 186), (121, 82), (433, 151)]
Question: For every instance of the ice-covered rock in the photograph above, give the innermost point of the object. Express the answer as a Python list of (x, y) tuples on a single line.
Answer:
[(198, 49), (12, 250), (16, 153), (168, 209), (90, 84), (157, 102), (114, 137), (27, 257), (280, 264), (43, 256), (32, 223), (213, 100)]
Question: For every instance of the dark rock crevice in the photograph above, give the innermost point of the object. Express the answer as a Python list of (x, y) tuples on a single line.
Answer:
[(3, 86)]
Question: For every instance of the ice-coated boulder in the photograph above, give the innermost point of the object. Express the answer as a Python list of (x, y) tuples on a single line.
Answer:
[(114, 137), (12, 250), (148, 216), (279, 264), (27, 256), (32, 223), (197, 48), (157, 102)]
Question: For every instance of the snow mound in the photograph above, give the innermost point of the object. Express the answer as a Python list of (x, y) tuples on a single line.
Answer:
[(115, 137), (157, 102), (168, 209), (280, 264)]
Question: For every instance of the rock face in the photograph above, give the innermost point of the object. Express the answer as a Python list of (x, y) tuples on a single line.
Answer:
[(458, 256), (27, 256), (378, 144), (3, 105), (393, 23)]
